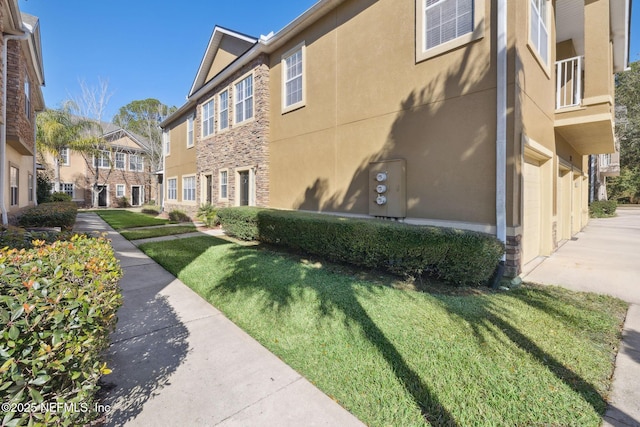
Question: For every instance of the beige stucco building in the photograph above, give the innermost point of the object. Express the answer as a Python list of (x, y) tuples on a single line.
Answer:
[(472, 114), (21, 79)]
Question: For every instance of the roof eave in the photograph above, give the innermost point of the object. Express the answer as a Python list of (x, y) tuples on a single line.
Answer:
[(620, 12)]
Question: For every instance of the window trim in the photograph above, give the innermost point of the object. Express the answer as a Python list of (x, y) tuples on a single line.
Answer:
[(30, 196), (141, 163), (253, 99), (302, 47), (13, 202), (101, 157), (211, 118), (195, 187), (252, 184), (220, 110), (173, 178), (479, 13), (226, 171), (190, 131), (65, 159), (115, 160), (73, 188), (124, 190), (545, 65)]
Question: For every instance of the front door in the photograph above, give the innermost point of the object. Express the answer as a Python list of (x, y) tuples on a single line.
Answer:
[(135, 195), (244, 188), (102, 196)]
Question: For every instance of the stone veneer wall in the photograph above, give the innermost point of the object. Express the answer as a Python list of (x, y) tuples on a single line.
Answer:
[(240, 146), (118, 176), (514, 254), (19, 127)]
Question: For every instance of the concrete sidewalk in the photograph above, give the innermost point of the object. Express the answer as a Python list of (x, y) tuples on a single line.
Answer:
[(605, 259), (177, 361)]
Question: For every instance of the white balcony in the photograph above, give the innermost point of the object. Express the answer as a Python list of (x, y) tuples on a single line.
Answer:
[(569, 82)]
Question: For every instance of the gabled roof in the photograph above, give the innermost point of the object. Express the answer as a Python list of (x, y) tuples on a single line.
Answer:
[(119, 132), (219, 33), (32, 25)]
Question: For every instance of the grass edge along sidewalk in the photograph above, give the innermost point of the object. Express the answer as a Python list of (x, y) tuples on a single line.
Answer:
[(537, 355)]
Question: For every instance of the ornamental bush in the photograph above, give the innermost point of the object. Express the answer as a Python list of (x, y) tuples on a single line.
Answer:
[(603, 209), (60, 196), (458, 257), (54, 214), (19, 238), (207, 213), (179, 216), (58, 305)]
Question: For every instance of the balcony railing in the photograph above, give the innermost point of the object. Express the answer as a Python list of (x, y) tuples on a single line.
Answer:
[(569, 82)]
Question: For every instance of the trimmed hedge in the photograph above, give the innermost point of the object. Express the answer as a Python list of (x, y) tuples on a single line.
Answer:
[(603, 209), (455, 256), (54, 214), (57, 306), (179, 216), (19, 238)]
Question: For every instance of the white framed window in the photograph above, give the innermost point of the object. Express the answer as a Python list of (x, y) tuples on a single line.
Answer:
[(166, 135), (120, 160), (64, 156), (207, 119), (189, 131), (223, 110), (293, 78), (172, 189), (120, 190), (102, 160), (67, 187), (27, 97), (14, 181), (189, 188), (243, 98), (224, 184), (538, 28), (443, 25), (30, 186), (136, 162)]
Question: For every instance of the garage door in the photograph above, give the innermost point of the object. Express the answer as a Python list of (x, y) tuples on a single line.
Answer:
[(532, 211)]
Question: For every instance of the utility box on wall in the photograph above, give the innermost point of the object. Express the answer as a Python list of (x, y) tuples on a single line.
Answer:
[(387, 189)]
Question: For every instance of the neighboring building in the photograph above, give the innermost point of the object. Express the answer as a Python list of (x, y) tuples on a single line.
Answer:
[(603, 166), (452, 121), (22, 77), (122, 168)]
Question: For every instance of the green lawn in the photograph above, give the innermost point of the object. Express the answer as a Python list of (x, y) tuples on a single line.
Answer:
[(533, 356), (158, 232), (121, 219)]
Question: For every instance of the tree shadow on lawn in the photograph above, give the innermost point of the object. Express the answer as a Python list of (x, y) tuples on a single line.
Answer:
[(491, 319), (248, 274)]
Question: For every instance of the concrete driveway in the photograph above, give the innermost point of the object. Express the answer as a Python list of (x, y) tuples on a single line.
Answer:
[(605, 258)]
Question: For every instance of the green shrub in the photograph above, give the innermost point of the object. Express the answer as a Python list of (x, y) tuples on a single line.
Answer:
[(55, 214), (57, 307), (603, 209), (207, 213), (123, 202), (60, 196), (43, 188), (19, 238), (457, 257), (178, 215), (240, 222), (151, 209)]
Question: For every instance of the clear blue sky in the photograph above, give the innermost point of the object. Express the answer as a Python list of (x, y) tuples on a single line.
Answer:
[(152, 49)]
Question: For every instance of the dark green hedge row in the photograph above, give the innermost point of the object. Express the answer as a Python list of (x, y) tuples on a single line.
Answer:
[(54, 214), (15, 237), (603, 209), (455, 256), (58, 305)]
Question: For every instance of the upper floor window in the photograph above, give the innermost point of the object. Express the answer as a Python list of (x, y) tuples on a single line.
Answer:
[(443, 25), (292, 74), (538, 28), (102, 160), (120, 160), (27, 97), (207, 119), (190, 131), (166, 135), (64, 156), (223, 110), (136, 162), (244, 99)]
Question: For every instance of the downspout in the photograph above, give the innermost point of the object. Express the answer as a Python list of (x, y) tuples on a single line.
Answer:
[(34, 177), (3, 125), (501, 135)]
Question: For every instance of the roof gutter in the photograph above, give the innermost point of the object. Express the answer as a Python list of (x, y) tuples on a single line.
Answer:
[(3, 126)]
